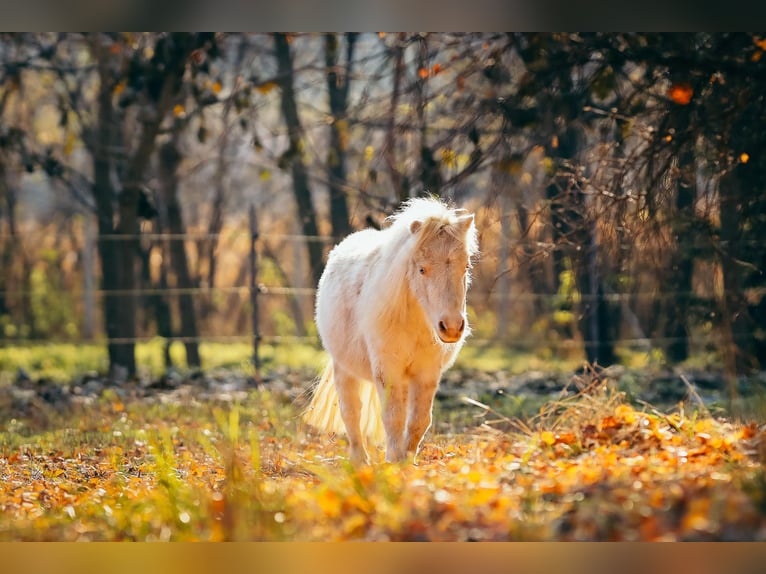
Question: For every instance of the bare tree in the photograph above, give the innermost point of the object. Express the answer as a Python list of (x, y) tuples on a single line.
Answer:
[(294, 155), (338, 81)]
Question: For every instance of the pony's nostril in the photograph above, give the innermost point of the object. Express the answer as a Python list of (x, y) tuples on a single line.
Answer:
[(462, 326), (442, 326)]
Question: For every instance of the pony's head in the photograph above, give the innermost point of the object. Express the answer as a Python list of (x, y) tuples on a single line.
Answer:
[(438, 269)]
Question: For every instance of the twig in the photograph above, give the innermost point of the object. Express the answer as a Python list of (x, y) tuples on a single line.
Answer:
[(694, 394)]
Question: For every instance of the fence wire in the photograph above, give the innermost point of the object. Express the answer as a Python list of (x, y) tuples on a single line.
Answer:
[(526, 343)]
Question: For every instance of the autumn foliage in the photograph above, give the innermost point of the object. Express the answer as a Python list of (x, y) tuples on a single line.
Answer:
[(240, 467)]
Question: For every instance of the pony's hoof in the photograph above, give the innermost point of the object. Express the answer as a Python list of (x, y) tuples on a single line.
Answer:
[(360, 459), (398, 457)]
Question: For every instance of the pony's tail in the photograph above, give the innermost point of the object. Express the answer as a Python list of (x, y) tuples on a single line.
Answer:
[(323, 412)]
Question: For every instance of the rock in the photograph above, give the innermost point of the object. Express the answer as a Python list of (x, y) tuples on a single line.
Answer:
[(22, 378), (93, 387)]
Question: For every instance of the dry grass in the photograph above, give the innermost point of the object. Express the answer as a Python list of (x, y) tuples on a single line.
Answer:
[(176, 467)]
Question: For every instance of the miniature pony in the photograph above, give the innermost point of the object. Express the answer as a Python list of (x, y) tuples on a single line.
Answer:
[(391, 312)]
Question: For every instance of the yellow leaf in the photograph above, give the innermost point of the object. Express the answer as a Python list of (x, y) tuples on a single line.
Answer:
[(368, 153), (626, 413), (448, 157), (548, 437), (354, 525), (744, 157), (265, 175), (266, 88), (526, 178), (330, 503), (69, 143), (178, 110), (483, 496)]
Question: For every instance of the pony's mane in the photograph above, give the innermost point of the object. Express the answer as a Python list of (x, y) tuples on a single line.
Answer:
[(435, 216)]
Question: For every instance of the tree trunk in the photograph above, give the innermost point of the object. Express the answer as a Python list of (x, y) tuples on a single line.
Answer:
[(733, 322), (679, 277), (681, 262), (430, 176), (121, 351), (294, 300), (574, 236), (301, 190), (8, 247), (534, 267), (168, 165), (742, 350), (119, 259), (398, 181), (337, 88), (157, 302)]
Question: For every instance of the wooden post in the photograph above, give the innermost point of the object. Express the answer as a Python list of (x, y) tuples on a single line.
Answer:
[(254, 293), (89, 274)]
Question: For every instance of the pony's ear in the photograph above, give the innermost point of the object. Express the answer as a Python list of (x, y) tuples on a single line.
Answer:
[(415, 226), (464, 222)]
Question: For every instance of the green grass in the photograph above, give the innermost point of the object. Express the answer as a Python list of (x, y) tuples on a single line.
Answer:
[(62, 361)]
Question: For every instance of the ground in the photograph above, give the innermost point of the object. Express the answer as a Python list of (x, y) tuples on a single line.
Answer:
[(217, 458)]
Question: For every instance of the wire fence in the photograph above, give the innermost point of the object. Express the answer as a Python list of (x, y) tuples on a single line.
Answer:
[(488, 298)]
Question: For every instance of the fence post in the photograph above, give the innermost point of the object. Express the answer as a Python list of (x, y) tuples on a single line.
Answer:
[(254, 293), (89, 274)]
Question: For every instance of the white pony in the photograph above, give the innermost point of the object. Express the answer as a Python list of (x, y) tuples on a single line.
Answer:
[(391, 312)]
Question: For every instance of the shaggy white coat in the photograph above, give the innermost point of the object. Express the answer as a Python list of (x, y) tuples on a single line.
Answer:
[(390, 311)]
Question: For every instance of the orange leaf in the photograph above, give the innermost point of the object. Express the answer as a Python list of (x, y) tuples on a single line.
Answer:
[(681, 93), (436, 69), (178, 110), (761, 43), (266, 88), (567, 438), (609, 422), (216, 87), (744, 157), (119, 88), (423, 73), (750, 430)]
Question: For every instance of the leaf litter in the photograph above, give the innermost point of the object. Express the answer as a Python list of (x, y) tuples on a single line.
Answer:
[(239, 465)]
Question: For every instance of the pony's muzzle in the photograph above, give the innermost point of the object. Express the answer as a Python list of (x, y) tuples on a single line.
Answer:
[(450, 331)]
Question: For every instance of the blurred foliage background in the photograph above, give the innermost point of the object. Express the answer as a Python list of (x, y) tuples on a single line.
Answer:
[(617, 181)]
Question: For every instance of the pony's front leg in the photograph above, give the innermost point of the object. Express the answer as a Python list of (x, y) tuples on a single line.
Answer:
[(350, 412), (393, 399), (421, 400)]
